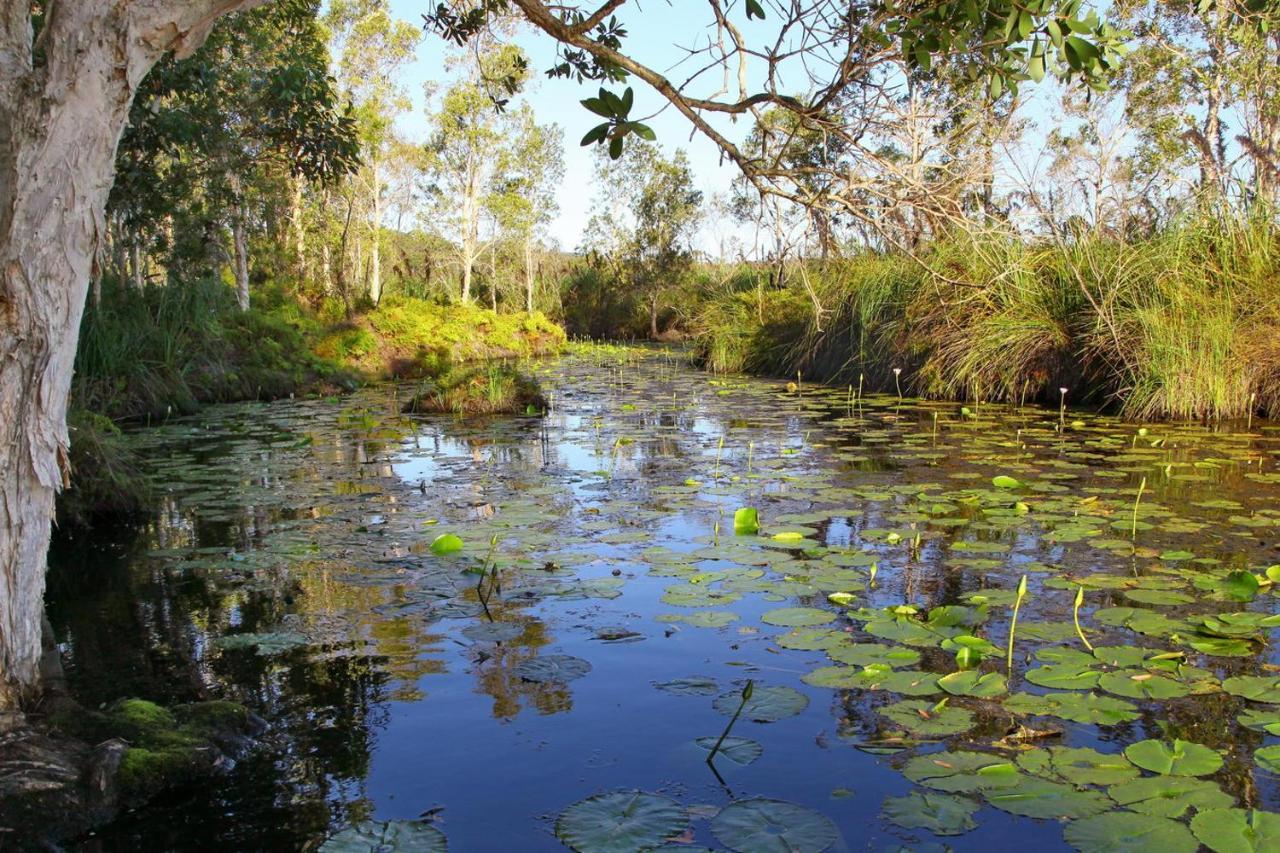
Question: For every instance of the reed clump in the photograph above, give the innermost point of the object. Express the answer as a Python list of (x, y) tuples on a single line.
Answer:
[(1181, 324)]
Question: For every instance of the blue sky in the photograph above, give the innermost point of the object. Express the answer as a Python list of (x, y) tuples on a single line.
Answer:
[(655, 35)]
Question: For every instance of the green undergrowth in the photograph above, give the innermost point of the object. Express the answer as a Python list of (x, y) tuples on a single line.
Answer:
[(1181, 324), (412, 338), (489, 389), (144, 357)]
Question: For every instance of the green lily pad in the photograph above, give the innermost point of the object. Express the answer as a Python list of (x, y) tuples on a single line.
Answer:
[(1180, 758), (1064, 676), (746, 521), (620, 821), (1237, 830), (971, 683), (376, 836), (874, 677), (1080, 766), (1076, 707), (1140, 684), (1124, 832), (552, 668), (797, 617), (869, 654), (739, 750), (1158, 597), (766, 705), (812, 639), (1003, 481), (1268, 758), (493, 632), (695, 686), (1239, 586), (1255, 687), (764, 826), (1261, 721), (962, 772), (941, 814), (704, 618), (1169, 796), (927, 718), (447, 543), (1222, 646), (266, 643), (1041, 798)]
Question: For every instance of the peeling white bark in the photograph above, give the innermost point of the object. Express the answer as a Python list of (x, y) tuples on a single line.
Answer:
[(60, 123)]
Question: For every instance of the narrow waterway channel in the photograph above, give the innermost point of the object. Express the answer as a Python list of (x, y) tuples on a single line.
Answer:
[(603, 616)]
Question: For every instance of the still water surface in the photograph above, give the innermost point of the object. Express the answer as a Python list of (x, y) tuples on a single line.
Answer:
[(288, 566)]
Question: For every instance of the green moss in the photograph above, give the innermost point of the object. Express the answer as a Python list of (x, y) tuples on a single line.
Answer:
[(145, 772)]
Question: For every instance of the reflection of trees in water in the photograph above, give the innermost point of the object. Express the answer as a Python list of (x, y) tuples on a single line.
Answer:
[(494, 666)]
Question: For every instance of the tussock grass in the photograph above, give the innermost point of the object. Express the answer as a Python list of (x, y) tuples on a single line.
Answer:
[(1185, 324)]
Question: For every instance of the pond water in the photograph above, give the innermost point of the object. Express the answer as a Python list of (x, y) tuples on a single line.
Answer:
[(603, 616)]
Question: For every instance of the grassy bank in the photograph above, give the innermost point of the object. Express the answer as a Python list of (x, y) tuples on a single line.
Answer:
[(1185, 324), (166, 351)]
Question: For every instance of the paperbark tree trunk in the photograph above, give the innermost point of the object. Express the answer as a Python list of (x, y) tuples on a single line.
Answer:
[(60, 122)]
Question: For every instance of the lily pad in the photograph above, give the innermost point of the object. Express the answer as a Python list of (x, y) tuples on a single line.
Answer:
[(1041, 798), (927, 718), (1140, 684), (1076, 707), (869, 654), (1180, 758), (1124, 832), (1255, 687), (379, 836), (1080, 766), (874, 677), (763, 826), (447, 543), (493, 632), (739, 750), (694, 686), (972, 683), (1169, 796), (620, 821), (766, 705), (1237, 830), (797, 617), (962, 772), (552, 668), (1268, 758), (746, 521), (941, 814)]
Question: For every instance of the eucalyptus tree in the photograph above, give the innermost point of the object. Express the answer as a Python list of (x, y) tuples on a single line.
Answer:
[(209, 135), (523, 200), (467, 147), (373, 47), (646, 216), (1203, 92), (69, 71)]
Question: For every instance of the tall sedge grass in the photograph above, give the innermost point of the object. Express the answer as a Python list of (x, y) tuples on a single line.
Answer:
[(1183, 324)]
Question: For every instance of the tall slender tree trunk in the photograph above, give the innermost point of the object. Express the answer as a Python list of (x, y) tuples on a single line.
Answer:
[(375, 226), (240, 249), (528, 275), (299, 231), (60, 123), (135, 262)]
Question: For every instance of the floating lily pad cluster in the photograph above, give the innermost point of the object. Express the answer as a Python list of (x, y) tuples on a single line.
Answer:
[(862, 552)]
